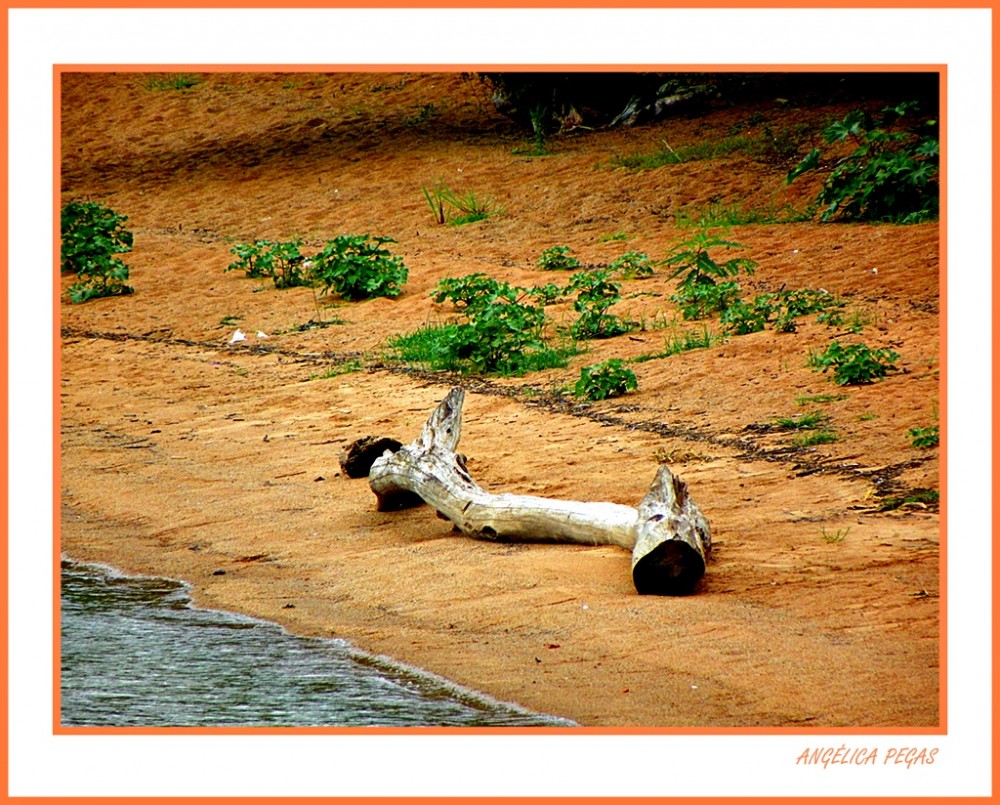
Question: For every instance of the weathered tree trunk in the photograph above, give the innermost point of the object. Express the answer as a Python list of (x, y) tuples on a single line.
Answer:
[(668, 536)]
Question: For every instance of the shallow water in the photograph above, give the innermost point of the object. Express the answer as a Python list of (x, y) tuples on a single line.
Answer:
[(135, 653)]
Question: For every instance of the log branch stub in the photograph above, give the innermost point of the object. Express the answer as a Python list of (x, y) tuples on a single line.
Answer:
[(668, 535)]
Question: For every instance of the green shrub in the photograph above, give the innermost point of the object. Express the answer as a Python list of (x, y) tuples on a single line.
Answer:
[(855, 364), (890, 176), (251, 258), (925, 437), (498, 337), (282, 262), (476, 289), (595, 295), (358, 267), (547, 294), (780, 310), (501, 334), (91, 233), (803, 301), (633, 265), (743, 318), (459, 347), (558, 258), (693, 258), (702, 300), (604, 380), (471, 291)]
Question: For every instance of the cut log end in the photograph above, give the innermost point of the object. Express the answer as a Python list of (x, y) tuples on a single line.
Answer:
[(671, 568), (357, 460)]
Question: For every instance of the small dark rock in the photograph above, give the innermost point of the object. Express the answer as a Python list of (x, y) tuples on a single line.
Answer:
[(361, 454), (219, 573)]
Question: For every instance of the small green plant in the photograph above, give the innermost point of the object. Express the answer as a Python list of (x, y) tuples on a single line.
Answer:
[(667, 155), (836, 536), (424, 112), (281, 261), (702, 300), (469, 207), (558, 258), (674, 345), (924, 437), (831, 318), (547, 294), (855, 364), (286, 270), (809, 421), (633, 265), (703, 297), (604, 380), (890, 176), (766, 146), (914, 498), (814, 437), (791, 305), (699, 339), (251, 258), (596, 293), (803, 301), (91, 234), (472, 290), (857, 322), (358, 267), (693, 258), (743, 318), (738, 213), (312, 324), (820, 399), (339, 368), (178, 82), (540, 125)]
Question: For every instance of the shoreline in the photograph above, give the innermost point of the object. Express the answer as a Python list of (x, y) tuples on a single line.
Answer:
[(381, 664)]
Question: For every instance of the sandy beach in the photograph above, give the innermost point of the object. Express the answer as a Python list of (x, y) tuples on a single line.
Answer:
[(218, 463)]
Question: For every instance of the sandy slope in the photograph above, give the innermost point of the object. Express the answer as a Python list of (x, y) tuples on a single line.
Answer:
[(218, 464)]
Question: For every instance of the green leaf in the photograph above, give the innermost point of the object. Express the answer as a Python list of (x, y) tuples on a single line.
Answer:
[(810, 162)]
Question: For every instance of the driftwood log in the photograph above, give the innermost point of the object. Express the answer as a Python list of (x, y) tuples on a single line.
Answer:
[(668, 535)]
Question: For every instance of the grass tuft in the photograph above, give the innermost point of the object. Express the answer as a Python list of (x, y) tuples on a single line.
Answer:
[(809, 421), (812, 438), (685, 342)]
